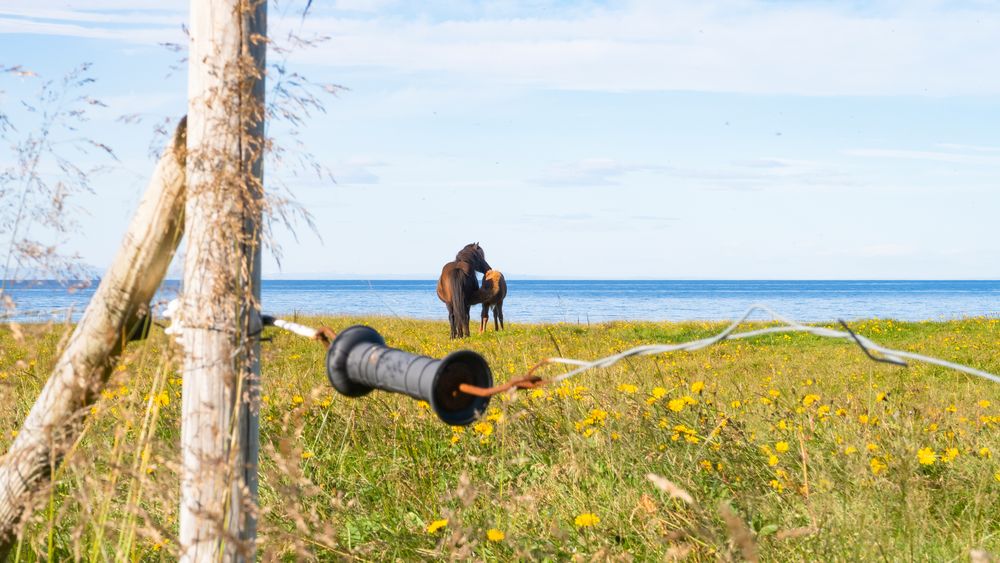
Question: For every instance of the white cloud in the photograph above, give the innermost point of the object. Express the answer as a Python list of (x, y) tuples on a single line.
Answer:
[(972, 148), (746, 46), (886, 250), (936, 156), (743, 175), (370, 6), (736, 46), (357, 171), (591, 172)]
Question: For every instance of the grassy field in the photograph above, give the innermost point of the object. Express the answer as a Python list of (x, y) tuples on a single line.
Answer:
[(790, 446)]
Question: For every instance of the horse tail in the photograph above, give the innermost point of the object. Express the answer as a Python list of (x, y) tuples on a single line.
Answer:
[(457, 294), (458, 303)]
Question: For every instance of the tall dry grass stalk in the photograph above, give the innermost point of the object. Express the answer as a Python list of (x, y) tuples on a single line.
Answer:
[(228, 213)]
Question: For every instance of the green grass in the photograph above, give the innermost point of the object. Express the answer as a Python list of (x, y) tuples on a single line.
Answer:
[(364, 478)]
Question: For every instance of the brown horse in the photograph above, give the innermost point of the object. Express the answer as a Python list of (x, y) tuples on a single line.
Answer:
[(457, 286), (491, 294)]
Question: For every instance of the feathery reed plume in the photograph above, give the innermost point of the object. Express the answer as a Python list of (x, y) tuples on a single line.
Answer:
[(670, 488), (739, 532)]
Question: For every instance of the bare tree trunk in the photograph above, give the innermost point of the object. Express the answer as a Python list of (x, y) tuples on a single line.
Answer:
[(55, 420), (222, 280)]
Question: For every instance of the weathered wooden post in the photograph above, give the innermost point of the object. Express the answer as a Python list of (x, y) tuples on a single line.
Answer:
[(97, 342), (219, 435)]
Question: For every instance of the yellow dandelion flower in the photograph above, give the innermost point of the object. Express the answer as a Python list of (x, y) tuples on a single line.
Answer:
[(484, 428), (423, 405), (495, 535), (926, 456), (773, 460), (162, 398), (877, 466), (950, 454), (985, 452), (984, 404), (774, 393), (850, 450), (658, 392), (871, 447), (436, 525), (676, 405), (697, 386), (297, 400), (627, 388), (586, 520), (997, 475), (810, 399), (951, 408), (863, 418), (781, 447), (307, 454), (736, 404)]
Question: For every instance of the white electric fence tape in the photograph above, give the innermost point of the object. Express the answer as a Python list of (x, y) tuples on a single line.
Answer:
[(895, 356), (729, 334)]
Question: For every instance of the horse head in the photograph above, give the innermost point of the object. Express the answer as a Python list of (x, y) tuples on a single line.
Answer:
[(474, 255)]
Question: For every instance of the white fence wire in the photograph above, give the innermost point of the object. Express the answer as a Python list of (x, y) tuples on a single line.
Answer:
[(729, 333)]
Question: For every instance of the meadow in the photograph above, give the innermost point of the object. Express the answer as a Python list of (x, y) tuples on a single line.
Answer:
[(785, 447)]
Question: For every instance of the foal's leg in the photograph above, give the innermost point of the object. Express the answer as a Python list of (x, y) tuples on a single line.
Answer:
[(498, 315), (485, 318)]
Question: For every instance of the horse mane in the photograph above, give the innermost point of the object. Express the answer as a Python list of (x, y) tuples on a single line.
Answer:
[(469, 253), (474, 255)]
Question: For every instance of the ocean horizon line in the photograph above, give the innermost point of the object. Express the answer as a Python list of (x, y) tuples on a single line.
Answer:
[(545, 300), (537, 278)]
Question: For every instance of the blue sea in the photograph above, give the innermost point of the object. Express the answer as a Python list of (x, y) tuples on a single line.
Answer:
[(580, 301)]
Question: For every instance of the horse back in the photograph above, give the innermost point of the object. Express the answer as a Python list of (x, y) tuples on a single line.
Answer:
[(494, 287), (455, 276)]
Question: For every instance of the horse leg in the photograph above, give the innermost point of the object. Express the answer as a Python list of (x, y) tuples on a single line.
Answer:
[(498, 316), (485, 318), (451, 319), (467, 320)]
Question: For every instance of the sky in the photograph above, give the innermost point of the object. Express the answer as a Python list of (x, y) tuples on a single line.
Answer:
[(634, 139)]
